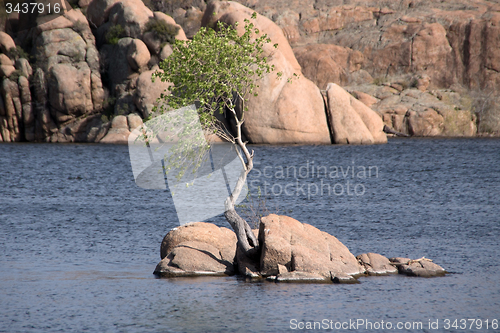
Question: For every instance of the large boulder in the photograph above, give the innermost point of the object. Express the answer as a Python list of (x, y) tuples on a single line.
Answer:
[(58, 46), (123, 60), (70, 90), (282, 112), (4, 60), (119, 131), (159, 16), (376, 264), (187, 13), (138, 55), (300, 247), (425, 123), (147, 92), (197, 249), (351, 121), (98, 11), (6, 70), (6, 42), (132, 15)]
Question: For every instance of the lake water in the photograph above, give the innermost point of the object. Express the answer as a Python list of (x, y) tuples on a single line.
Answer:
[(79, 240)]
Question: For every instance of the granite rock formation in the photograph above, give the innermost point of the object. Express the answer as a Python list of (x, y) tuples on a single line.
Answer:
[(64, 78), (426, 68), (290, 251)]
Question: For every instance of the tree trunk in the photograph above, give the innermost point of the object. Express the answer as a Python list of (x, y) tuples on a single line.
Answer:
[(247, 241)]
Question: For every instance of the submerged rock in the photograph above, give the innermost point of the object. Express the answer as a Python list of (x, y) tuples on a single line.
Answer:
[(376, 264), (300, 277), (420, 267)]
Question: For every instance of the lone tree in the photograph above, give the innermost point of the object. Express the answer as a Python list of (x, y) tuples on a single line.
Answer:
[(218, 70)]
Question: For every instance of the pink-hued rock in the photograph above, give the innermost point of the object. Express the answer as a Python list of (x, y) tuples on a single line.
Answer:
[(70, 90), (46, 23), (202, 232), (132, 15), (197, 249), (365, 98), (194, 258), (147, 92), (84, 3), (5, 61), (421, 267), (431, 53), (13, 111), (351, 121), (165, 52), (426, 123), (168, 19), (325, 63), (376, 264), (138, 55), (6, 42), (134, 121), (6, 70), (303, 248), (451, 41), (119, 131)]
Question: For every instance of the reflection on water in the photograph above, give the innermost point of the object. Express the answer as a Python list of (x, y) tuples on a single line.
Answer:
[(79, 240)]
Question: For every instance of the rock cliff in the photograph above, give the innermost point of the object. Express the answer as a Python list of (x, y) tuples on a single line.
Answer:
[(424, 68), (451, 44), (76, 77)]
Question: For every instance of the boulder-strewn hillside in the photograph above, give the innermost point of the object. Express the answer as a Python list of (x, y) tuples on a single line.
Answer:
[(426, 68), (383, 48), (76, 77), (450, 41)]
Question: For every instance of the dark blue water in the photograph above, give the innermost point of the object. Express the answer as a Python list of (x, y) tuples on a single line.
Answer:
[(79, 240)]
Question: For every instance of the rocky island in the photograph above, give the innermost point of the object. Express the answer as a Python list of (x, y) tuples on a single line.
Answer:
[(291, 251)]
